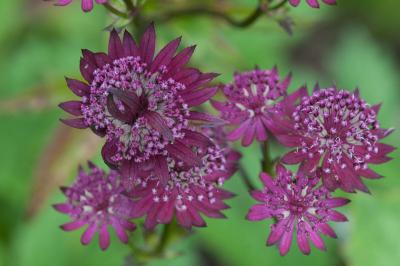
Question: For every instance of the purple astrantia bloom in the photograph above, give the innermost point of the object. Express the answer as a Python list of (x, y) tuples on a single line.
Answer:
[(297, 204), (188, 192), (337, 131), (250, 98), (87, 5), (95, 200), (140, 102), (312, 3)]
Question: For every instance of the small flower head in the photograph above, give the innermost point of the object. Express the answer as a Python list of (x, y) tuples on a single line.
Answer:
[(337, 131), (87, 5), (298, 205), (139, 101), (95, 200), (312, 3), (187, 193), (250, 97)]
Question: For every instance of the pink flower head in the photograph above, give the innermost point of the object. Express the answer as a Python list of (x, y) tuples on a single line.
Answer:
[(337, 131), (250, 98), (87, 5), (188, 192), (312, 3), (140, 102), (95, 200), (297, 204)]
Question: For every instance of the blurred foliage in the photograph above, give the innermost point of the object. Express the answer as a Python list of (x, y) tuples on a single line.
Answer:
[(39, 44)]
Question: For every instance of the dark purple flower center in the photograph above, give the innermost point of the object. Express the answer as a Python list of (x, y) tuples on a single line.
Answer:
[(334, 123), (141, 111)]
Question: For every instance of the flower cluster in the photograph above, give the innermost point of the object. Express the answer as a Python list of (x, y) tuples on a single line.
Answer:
[(164, 165), (298, 204), (335, 136)]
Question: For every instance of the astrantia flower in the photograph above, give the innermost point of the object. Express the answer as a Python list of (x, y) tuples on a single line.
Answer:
[(312, 3), (297, 204), (250, 97), (87, 5), (337, 131), (188, 192), (95, 201), (141, 103)]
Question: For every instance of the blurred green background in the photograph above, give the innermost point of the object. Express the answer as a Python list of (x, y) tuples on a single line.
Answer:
[(354, 44)]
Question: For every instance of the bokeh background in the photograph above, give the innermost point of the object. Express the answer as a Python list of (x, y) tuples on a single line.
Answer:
[(356, 44)]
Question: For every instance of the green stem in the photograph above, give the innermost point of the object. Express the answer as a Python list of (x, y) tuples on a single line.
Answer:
[(207, 11), (267, 164), (115, 11), (245, 178), (164, 238)]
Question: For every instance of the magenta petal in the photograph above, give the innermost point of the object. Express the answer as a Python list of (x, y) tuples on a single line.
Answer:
[(277, 232), (303, 244), (258, 212), (202, 80), (72, 107), (181, 58), (261, 132), (87, 70), (78, 87), (63, 207), (87, 236), (115, 48), (313, 3), (336, 216), (187, 76), (72, 225), (119, 230), (161, 169), (156, 121), (248, 136), (165, 55), (183, 153), (326, 230), (286, 240), (104, 237), (184, 219), (238, 132), (293, 157), (130, 46), (75, 122), (166, 212), (148, 44), (199, 96), (336, 202), (87, 5)]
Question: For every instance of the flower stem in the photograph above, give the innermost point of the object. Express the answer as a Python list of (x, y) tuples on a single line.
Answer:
[(213, 12), (267, 164), (164, 238), (245, 178), (115, 11)]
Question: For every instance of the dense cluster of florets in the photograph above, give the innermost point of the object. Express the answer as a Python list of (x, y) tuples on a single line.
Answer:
[(298, 204), (95, 200), (249, 100), (188, 191), (337, 131)]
